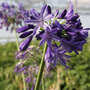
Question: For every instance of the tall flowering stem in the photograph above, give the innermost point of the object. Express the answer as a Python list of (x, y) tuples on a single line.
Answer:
[(24, 81), (16, 37), (43, 84), (17, 43), (41, 68)]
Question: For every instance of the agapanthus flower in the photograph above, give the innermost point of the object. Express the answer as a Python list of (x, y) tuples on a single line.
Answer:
[(48, 55), (19, 69), (67, 13), (39, 19), (11, 16), (56, 56), (48, 36), (63, 32), (29, 70), (25, 54), (25, 43)]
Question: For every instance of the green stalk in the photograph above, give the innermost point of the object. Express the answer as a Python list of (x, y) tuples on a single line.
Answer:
[(50, 22), (41, 68), (17, 43), (16, 37), (43, 84), (63, 22), (59, 20)]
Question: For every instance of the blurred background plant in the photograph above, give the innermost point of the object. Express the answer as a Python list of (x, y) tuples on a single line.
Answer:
[(77, 78)]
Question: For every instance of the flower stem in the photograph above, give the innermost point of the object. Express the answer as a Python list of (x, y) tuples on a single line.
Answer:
[(17, 43), (43, 84), (16, 37), (41, 68)]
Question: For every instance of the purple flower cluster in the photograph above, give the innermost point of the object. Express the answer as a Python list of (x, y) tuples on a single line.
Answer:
[(30, 70), (11, 16), (63, 32)]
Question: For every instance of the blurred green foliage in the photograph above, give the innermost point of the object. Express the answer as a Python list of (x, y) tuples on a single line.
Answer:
[(8, 80), (76, 78)]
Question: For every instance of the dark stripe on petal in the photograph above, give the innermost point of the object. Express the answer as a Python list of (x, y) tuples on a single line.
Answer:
[(25, 28), (42, 42), (49, 10), (24, 45), (34, 13), (62, 15), (26, 34), (70, 12), (43, 10)]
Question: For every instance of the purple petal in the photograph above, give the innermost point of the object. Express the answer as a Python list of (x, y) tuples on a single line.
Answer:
[(62, 15), (31, 26), (70, 12), (22, 29), (71, 33), (76, 16), (48, 66), (61, 59), (59, 25), (34, 13), (49, 43), (48, 17), (87, 29), (36, 29), (43, 10), (83, 32), (66, 56), (56, 13), (22, 69), (66, 46), (38, 36), (28, 79), (76, 52), (48, 54), (24, 45), (32, 88), (47, 29), (49, 10), (25, 28), (54, 31), (26, 34), (42, 42), (32, 21), (78, 24), (55, 38), (67, 27)]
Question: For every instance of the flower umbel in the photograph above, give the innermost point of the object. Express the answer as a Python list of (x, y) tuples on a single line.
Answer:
[(61, 37), (11, 16)]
